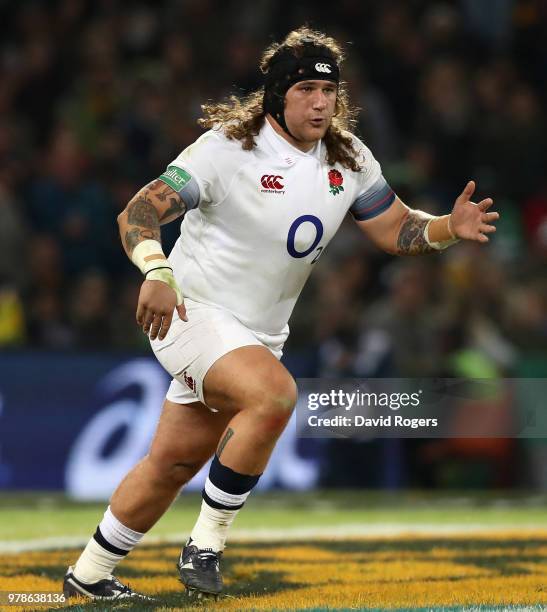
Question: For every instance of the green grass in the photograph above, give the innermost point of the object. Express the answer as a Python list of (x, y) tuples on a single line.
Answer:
[(29, 516)]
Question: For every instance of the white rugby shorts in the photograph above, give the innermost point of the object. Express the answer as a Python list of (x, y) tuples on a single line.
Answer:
[(190, 348)]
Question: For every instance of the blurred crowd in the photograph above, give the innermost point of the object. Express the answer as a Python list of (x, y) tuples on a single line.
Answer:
[(97, 97)]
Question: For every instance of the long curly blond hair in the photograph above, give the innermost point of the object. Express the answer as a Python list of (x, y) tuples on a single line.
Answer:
[(242, 118)]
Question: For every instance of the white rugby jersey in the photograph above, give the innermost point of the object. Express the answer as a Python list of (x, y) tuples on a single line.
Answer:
[(260, 219)]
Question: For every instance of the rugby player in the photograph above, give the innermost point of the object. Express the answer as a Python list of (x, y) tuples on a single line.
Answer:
[(260, 195)]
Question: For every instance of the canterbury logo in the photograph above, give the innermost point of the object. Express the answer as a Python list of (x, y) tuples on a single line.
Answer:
[(323, 68), (190, 382), (272, 182)]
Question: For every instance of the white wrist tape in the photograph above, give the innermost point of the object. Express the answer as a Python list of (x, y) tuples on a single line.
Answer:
[(440, 246), (148, 255), (165, 275), (158, 267)]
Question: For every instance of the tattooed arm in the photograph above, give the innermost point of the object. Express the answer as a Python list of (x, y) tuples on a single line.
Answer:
[(401, 230), (139, 224), (411, 239), (154, 205)]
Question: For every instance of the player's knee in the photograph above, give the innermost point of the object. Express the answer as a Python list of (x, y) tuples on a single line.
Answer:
[(276, 405)]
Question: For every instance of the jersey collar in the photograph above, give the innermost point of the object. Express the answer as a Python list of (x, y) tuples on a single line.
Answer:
[(284, 147)]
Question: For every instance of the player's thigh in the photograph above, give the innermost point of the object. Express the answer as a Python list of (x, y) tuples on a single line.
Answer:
[(191, 348), (187, 434), (247, 377)]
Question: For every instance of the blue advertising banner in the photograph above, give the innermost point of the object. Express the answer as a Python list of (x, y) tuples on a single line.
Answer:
[(78, 423)]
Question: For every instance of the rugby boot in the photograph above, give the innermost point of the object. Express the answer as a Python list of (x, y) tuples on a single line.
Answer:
[(199, 570), (108, 589)]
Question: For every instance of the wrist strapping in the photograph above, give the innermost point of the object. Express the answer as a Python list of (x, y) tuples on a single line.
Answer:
[(165, 275), (149, 257), (444, 244)]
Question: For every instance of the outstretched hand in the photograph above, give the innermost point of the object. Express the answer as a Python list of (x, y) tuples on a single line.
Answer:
[(471, 221)]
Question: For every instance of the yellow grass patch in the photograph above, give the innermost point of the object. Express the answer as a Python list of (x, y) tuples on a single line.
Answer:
[(417, 571)]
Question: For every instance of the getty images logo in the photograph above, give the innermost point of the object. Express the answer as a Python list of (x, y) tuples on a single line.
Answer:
[(323, 67)]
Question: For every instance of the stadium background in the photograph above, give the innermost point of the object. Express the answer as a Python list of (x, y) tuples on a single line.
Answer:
[(97, 97)]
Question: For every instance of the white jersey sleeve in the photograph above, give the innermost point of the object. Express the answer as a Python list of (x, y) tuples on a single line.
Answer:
[(375, 195), (194, 173)]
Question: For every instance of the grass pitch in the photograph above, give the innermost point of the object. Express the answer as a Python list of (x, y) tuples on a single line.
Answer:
[(482, 553)]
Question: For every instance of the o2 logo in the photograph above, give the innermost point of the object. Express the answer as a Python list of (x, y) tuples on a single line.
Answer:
[(291, 247)]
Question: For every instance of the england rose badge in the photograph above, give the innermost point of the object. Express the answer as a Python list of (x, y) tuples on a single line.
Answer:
[(335, 182)]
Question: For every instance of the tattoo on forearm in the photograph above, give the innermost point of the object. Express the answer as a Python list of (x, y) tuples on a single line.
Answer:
[(143, 217), (176, 208), (132, 238), (142, 212), (136, 235), (224, 441), (411, 240)]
